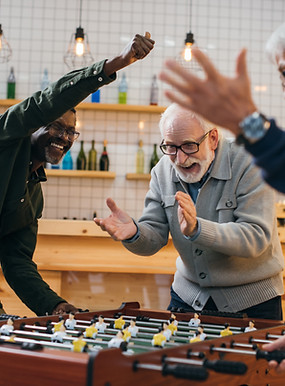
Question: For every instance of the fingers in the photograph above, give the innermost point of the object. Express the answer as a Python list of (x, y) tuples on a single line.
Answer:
[(142, 45), (205, 62), (241, 66), (112, 205)]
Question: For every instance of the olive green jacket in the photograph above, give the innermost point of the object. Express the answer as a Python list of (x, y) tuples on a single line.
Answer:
[(21, 199)]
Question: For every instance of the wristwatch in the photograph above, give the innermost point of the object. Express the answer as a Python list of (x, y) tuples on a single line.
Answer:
[(253, 127)]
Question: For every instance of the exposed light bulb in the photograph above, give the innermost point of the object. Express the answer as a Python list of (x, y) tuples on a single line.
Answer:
[(79, 47), (187, 51)]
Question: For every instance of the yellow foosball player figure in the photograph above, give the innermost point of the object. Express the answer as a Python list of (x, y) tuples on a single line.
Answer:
[(58, 325), (7, 328), (101, 325), (127, 334), (159, 339), (79, 345), (119, 323), (57, 336), (70, 323), (172, 326), (91, 331), (196, 337), (172, 316), (226, 331)]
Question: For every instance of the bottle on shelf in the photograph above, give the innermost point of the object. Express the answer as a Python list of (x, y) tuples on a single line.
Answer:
[(154, 91), (104, 159), (95, 96), (11, 85), (45, 80), (81, 158), (67, 162), (140, 158), (154, 158), (92, 157), (123, 90)]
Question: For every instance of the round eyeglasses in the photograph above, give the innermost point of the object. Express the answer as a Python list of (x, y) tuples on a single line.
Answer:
[(187, 148), (57, 130)]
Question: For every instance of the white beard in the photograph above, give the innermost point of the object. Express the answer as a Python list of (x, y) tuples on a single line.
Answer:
[(191, 177)]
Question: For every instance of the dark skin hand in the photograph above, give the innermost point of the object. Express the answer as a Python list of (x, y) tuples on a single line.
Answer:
[(64, 308), (139, 47)]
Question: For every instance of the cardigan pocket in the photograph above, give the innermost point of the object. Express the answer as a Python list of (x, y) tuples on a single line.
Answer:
[(225, 208)]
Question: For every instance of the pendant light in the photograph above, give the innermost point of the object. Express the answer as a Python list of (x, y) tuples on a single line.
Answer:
[(5, 49), (78, 53), (189, 41)]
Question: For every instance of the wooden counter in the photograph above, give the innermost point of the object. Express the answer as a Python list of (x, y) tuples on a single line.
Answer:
[(92, 271), (88, 268)]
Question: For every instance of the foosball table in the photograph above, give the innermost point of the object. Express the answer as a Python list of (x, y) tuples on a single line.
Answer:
[(32, 354)]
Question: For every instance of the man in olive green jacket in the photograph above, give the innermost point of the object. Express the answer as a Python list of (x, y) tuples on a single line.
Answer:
[(42, 129)]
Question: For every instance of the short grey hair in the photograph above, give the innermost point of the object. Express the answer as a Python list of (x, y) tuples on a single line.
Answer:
[(175, 111), (276, 43)]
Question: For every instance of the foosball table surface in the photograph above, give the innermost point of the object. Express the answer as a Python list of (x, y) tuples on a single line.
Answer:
[(31, 357)]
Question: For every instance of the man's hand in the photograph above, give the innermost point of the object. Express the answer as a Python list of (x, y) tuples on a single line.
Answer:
[(278, 344), (222, 100), (64, 308), (186, 214), (138, 48), (119, 224)]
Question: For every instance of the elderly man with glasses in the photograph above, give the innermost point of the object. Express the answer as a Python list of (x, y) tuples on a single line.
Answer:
[(220, 214), (37, 130)]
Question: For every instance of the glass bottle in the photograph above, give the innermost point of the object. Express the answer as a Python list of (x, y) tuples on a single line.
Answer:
[(11, 84), (104, 159), (154, 91), (67, 162), (123, 89), (81, 158), (140, 158), (154, 157), (92, 157), (45, 80)]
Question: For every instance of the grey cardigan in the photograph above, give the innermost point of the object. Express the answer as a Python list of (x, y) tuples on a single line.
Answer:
[(237, 257)]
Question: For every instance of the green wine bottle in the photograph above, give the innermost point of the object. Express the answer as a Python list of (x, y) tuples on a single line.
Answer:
[(154, 157), (92, 157), (81, 158), (104, 159), (11, 85), (140, 158)]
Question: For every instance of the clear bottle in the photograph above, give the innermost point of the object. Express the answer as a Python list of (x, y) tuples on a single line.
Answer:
[(140, 158), (104, 159), (67, 162), (154, 91), (45, 80), (154, 158), (81, 158), (11, 85), (123, 90), (92, 157)]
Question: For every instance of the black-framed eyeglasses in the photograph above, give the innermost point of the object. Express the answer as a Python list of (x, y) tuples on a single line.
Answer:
[(187, 148), (58, 130)]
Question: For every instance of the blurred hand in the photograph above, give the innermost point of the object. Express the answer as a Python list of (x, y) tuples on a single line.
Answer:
[(222, 100), (119, 224)]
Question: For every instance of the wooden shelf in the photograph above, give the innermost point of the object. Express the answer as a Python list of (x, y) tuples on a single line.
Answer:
[(138, 176), (80, 173), (102, 107)]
